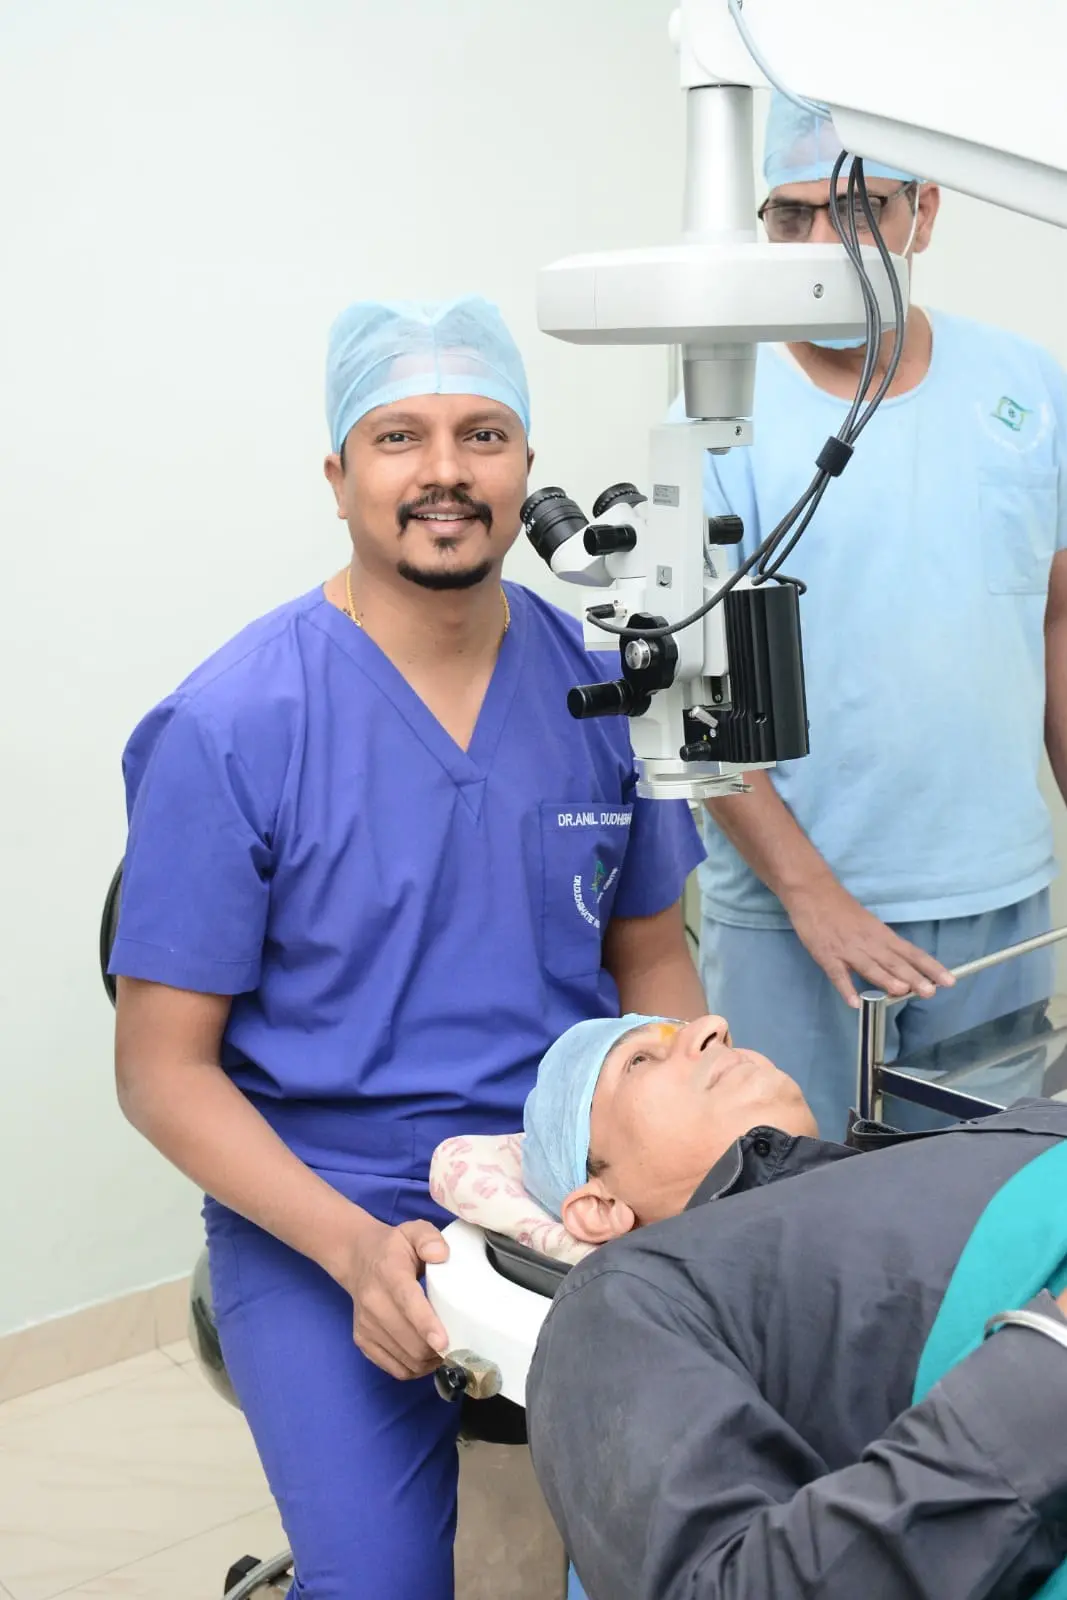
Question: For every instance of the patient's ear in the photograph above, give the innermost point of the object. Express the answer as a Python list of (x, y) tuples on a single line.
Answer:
[(594, 1216)]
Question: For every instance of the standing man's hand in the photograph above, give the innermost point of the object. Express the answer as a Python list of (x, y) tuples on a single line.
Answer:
[(394, 1324), (843, 938)]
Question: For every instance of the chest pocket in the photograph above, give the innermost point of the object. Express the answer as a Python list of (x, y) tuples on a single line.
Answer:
[(583, 847), (1018, 510)]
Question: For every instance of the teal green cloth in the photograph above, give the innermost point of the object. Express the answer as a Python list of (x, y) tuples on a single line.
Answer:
[(1018, 1247)]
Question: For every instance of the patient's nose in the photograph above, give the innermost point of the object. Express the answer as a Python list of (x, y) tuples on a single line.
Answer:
[(706, 1031)]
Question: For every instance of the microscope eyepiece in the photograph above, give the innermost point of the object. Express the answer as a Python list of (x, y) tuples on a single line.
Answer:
[(627, 493), (550, 518)]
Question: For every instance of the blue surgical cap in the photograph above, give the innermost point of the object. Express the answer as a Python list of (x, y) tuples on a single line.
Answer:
[(555, 1147), (802, 148), (381, 351)]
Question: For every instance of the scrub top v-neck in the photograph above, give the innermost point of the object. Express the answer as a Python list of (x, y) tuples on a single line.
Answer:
[(404, 926), (467, 768)]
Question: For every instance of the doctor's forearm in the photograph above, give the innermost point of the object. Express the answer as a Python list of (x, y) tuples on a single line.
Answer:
[(202, 1123), (654, 973), (664, 989), (763, 830), (1056, 670), (1056, 701)]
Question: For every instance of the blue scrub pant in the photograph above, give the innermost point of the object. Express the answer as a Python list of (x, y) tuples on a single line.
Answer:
[(779, 1001), (363, 1467)]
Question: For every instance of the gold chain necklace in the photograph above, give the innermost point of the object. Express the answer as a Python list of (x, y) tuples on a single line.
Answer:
[(350, 609)]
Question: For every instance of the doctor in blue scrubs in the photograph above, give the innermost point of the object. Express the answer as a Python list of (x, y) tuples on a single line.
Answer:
[(914, 837), (374, 869)]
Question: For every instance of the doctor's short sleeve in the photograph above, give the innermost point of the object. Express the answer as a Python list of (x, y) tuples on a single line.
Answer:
[(196, 879), (663, 849)]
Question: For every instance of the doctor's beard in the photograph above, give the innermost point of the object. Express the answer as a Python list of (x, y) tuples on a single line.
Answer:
[(445, 578), (457, 578)]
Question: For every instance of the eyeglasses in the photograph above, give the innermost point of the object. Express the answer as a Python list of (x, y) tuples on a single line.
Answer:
[(791, 222)]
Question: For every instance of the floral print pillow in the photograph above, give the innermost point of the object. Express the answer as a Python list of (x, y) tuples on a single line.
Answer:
[(479, 1178)]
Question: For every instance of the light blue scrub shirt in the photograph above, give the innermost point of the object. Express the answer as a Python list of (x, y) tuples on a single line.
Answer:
[(927, 567), (405, 927)]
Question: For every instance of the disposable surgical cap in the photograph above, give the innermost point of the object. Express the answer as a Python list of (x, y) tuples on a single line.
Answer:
[(381, 351), (802, 148), (555, 1147)]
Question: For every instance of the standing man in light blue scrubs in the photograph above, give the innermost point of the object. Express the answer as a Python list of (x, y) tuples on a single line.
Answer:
[(914, 837), (374, 870)]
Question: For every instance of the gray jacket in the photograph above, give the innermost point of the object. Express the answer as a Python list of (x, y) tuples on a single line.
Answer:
[(720, 1406)]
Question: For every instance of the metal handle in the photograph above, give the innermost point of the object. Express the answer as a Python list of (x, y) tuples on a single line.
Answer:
[(874, 1003), (1023, 948)]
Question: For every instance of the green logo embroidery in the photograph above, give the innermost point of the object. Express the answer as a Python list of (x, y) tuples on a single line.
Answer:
[(1011, 413), (600, 883)]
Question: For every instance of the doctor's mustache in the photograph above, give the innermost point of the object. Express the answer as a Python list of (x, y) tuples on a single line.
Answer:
[(444, 497)]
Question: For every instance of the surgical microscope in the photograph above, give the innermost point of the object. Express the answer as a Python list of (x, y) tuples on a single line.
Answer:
[(710, 661)]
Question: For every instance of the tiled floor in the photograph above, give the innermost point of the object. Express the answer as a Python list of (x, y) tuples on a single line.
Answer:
[(133, 1483)]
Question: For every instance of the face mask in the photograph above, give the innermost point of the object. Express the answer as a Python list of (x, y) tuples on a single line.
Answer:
[(857, 344), (840, 344)]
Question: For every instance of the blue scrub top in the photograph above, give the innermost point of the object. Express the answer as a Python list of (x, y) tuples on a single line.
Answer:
[(927, 565), (405, 927)]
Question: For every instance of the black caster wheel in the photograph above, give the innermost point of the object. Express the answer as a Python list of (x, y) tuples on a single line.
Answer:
[(250, 1576), (239, 1570)]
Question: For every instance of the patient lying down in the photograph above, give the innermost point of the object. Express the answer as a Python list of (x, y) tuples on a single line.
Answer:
[(781, 1387), (629, 1114)]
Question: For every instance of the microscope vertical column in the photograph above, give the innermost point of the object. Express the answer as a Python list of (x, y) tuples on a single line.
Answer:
[(719, 208)]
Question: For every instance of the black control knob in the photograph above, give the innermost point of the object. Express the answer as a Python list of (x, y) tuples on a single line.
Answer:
[(450, 1382), (626, 492), (726, 529), (604, 538)]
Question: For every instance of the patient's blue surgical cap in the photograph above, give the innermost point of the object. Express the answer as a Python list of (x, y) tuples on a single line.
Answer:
[(555, 1147), (382, 351), (802, 148)]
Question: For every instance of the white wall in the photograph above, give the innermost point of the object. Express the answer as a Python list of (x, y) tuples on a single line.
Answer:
[(189, 194)]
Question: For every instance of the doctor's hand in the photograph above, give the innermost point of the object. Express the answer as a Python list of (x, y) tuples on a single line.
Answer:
[(394, 1323), (843, 938)]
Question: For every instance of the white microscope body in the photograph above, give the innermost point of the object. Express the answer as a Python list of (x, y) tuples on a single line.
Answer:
[(976, 107)]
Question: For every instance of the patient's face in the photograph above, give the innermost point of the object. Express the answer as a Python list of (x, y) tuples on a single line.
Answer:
[(669, 1102)]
